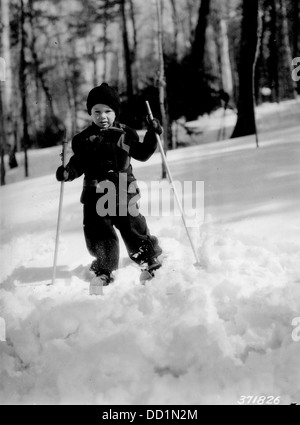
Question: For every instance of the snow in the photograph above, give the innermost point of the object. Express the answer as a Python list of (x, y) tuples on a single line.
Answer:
[(206, 335)]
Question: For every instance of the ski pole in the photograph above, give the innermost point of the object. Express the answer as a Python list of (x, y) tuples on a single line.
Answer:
[(61, 196), (174, 188)]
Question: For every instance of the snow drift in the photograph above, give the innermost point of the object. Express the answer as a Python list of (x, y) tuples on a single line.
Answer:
[(191, 336)]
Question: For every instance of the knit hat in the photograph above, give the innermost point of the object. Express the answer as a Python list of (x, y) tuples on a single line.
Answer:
[(106, 95)]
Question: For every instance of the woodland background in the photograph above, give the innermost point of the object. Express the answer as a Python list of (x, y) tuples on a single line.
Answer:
[(187, 57)]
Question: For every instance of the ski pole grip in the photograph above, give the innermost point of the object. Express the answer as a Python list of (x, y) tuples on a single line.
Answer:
[(64, 149), (149, 110)]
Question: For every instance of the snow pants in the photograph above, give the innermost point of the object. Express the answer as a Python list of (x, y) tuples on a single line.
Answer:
[(102, 240)]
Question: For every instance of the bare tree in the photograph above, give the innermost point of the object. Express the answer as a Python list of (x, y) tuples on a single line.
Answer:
[(127, 53), (296, 33), (162, 87), (23, 88), (287, 88), (6, 86), (246, 114), (2, 140), (226, 72), (105, 40), (296, 28), (175, 24), (67, 81), (40, 75), (134, 30), (197, 83), (6, 54), (273, 60), (2, 124), (190, 13), (198, 47)]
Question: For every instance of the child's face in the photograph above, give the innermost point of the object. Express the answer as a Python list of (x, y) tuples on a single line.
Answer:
[(102, 115)]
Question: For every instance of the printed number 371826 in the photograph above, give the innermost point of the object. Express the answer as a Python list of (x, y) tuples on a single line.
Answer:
[(259, 399)]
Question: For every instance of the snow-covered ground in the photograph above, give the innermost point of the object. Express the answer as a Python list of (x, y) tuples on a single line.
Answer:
[(191, 336)]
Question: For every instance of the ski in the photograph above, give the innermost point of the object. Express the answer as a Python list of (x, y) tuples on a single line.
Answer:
[(145, 277), (96, 286)]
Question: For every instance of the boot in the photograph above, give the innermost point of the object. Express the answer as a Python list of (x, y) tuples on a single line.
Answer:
[(148, 270), (102, 278), (99, 271), (97, 283)]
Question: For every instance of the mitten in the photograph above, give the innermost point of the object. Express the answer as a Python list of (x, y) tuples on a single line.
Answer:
[(154, 125), (62, 174)]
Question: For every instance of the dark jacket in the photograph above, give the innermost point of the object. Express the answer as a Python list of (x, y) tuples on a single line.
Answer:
[(103, 154)]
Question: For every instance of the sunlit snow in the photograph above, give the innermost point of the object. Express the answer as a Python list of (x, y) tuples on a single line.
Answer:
[(191, 336)]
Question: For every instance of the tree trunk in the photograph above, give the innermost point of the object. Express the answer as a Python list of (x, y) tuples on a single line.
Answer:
[(127, 54), (23, 89), (6, 54), (105, 40), (296, 34), (226, 72), (74, 84), (166, 122), (190, 27), (296, 29), (246, 124), (2, 84), (162, 85), (287, 87), (68, 85), (2, 167), (134, 51), (39, 74), (261, 71), (197, 83), (273, 59), (95, 64), (198, 47), (6, 85), (175, 25), (2, 139), (134, 30)]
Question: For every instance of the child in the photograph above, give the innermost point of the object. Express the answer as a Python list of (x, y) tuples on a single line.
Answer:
[(102, 152)]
